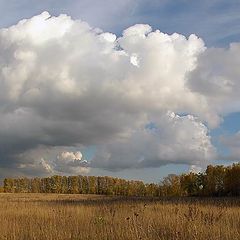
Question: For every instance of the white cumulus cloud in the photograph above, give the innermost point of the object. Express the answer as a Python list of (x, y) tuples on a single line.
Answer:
[(71, 163), (65, 84), (170, 139)]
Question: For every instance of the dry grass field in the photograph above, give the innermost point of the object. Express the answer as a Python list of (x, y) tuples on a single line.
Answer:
[(52, 216)]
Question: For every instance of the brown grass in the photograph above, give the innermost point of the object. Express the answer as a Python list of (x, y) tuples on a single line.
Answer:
[(62, 217)]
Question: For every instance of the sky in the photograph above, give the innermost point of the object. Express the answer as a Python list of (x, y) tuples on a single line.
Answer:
[(133, 89)]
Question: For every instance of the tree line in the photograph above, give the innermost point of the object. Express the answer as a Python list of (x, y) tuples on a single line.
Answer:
[(214, 181)]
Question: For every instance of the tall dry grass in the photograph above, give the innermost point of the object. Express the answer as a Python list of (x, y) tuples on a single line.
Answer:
[(51, 216)]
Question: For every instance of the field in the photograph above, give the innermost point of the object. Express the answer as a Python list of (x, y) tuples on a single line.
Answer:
[(62, 217)]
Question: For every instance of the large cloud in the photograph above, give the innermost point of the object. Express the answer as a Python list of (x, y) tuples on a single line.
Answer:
[(63, 83)]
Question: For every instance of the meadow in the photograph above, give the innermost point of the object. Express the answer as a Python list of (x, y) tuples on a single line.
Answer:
[(75, 216)]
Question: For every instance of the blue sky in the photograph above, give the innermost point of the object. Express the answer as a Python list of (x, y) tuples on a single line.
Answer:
[(216, 22)]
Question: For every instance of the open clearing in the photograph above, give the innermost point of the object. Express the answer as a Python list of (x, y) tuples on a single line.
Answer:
[(58, 216)]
